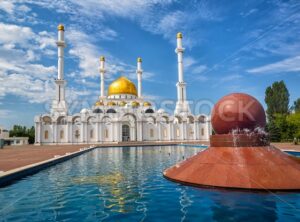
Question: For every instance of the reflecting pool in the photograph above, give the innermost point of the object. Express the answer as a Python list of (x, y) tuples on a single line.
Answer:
[(126, 184)]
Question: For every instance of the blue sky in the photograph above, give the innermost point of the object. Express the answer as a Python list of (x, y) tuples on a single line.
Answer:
[(231, 46)]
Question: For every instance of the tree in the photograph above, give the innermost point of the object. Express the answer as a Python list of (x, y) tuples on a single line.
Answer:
[(277, 99), (274, 132), (293, 121), (22, 131), (296, 106)]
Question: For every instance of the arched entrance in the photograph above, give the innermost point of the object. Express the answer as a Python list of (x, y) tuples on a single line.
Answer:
[(125, 132)]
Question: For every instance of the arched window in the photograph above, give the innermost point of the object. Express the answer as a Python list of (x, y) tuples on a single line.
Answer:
[(202, 132), (76, 120), (106, 133), (165, 133), (202, 119), (47, 120), (97, 110), (77, 134), (61, 120), (111, 111), (149, 111), (151, 133), (46, 134), (191, 131), (177, 132), (190, 119), (61, 134), (92, 134)]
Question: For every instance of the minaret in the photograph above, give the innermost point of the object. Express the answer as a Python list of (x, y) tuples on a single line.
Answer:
[(59, 105), (139, 73), (102, 71), (182, 105)]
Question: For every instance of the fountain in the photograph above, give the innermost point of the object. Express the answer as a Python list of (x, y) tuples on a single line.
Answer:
[(240, 155)]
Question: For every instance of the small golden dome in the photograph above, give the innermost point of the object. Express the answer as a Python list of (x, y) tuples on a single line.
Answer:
[(122, 86), (111, 103), (60, 27), (139, 59), (99, 103), (135, 104), (147, 104), (102, 58), (179, 35), (123, 103)]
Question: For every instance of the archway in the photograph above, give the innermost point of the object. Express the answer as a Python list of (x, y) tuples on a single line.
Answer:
[(125, 132)]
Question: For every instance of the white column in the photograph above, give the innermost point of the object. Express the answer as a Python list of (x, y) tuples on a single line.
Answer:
[(36, 138), (182, 105), (60, 50), (139, 72), (67, 131), (97, 131), (54, 132), (59, 104), (102, 71), (179, 51), (100, 131)]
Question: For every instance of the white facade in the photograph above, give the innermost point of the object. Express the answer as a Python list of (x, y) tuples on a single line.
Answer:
[(121, 115)]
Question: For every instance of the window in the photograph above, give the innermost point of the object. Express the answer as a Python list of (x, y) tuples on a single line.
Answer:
[(62, 134), (106, 133), (97, 111), (77, 134), (177, 132), (149, 111), (46, 134), (111, 111), (151, 133), (202, 119), (202, 132), (47, 120), (165, 133), (92, 134)]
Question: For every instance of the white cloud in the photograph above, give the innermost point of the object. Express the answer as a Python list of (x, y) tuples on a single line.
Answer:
[(189, 61), (230, 78), (286, 65), (199, 69), (88, 53), (7, 6), (20, 75)]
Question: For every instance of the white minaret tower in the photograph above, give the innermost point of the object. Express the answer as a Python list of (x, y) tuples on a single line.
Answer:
[(59, 105), (139, 72), (102, 71), (182, 106)]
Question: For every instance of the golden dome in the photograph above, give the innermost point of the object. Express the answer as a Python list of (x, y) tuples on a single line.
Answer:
[(102, 58), (147, 104), (99, 103), (179, 35), (111, 103), (135, 104), (60, 27), (139, 59), (122, 86), (123, 103)]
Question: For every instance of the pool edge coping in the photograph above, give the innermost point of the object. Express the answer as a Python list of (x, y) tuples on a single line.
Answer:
[(8, 177)]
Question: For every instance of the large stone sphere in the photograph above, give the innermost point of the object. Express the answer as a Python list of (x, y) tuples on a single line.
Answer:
[(237, 111)]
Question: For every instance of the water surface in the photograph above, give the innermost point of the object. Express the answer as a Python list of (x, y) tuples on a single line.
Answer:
[(126, 184)]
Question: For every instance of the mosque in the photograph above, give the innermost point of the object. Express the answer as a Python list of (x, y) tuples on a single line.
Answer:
[(120, 115)]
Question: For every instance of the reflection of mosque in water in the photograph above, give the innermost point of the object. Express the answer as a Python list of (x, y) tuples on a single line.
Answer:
[(131, 182), (121, 114)]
